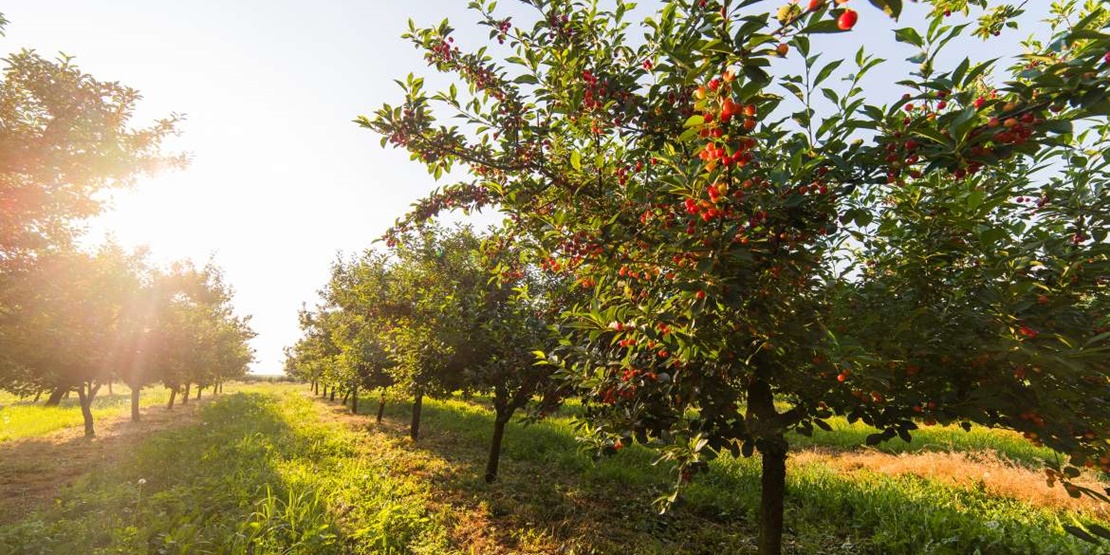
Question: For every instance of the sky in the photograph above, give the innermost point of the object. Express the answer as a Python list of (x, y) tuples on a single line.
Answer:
[(280, 179)]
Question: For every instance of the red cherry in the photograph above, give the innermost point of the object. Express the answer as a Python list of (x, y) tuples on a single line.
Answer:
[(847, 20), (815, 5)]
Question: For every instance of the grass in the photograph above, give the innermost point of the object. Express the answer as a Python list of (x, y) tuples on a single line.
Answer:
[(23, 418), (261, 473), (269, 470), (827, 511), (1004, 443)]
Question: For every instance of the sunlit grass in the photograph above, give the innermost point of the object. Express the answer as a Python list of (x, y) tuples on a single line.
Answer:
[(1008, 444), (273, 471), (23, 418), (260, 473), (827, 511)]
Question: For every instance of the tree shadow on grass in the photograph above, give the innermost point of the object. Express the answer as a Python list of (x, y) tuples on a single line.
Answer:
[(549, 497), (34, 470), (213, 486), (552, 498)]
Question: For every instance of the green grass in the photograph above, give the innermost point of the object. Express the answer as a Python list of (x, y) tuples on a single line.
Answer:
[(1003, 443), (260, 474), (23, 418), (1006, 444), (827, 512), (264, 472)]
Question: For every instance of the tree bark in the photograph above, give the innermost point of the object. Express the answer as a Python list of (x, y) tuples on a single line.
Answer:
[(315, 388), (772, 445), (56, 396), (38, 394), (417, 405), (199, 389), (381, 406), (136, 390), (86, 398), (173, 395), (110, 389), (185, 395), (324, 390), (354, 399), (346, 395), (772, 496), (332, 398), (495, 446), (221, 389)]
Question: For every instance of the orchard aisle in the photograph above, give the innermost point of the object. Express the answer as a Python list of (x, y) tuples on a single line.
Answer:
[(271, 468), (34, 470)]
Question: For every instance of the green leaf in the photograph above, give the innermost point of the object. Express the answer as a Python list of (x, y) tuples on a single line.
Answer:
[(826, 72), (961, 69), (893, 8), (823, 26), (576, 160), (909, 35), (905, 435), (694, 121), (874, 439), (992, 236)]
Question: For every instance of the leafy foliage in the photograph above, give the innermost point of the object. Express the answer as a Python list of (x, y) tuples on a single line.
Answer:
[(939, 257)]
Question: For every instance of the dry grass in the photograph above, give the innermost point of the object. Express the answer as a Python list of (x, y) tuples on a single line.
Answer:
[(975, 470)]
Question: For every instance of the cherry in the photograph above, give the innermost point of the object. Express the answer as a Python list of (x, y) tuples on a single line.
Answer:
[(847, 20)]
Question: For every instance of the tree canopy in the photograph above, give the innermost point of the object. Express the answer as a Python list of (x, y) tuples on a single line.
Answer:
[(767, 246)]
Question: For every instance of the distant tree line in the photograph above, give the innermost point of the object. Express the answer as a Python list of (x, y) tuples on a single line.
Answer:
[(446, 310)]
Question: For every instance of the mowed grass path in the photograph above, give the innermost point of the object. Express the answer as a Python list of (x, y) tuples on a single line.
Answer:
[(271, 470)]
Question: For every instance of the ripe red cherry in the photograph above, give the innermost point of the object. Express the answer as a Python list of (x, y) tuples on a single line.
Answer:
[(847, 20), (815, 5)]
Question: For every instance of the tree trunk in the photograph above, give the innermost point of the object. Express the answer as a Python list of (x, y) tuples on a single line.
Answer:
[(199, 389), (381, 406), (772, 446), (315, 387), (354, 399), (136, 390), (185, 395), (56, 396), (332, 399), (346, 396), (173, 395), (221, 389), (495, 446), (38, 394), (414, 426), (772, 495), (86, 407), (324, 390), (110, 388)]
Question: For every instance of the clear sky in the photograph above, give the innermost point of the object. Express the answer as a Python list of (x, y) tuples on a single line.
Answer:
[(280, 178)]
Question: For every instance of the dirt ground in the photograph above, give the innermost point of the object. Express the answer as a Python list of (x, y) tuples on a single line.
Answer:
[(33, 471)]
